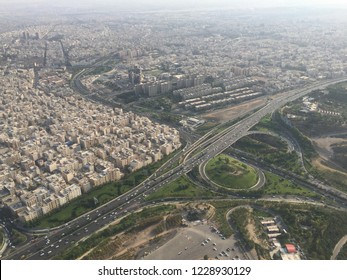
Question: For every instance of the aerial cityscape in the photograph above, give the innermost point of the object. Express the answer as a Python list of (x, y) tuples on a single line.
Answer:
[(146, 131)]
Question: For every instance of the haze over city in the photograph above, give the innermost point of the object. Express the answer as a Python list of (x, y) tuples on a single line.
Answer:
[(178, 4)]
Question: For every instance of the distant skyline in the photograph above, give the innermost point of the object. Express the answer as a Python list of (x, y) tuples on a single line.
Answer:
[(180, 4)]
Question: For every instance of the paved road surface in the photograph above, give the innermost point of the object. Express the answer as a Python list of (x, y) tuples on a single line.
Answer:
[(338, 247), (187, 245)]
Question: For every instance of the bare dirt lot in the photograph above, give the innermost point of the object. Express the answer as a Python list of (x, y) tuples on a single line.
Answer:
[(230, 113), (324, 147), (322, 164)]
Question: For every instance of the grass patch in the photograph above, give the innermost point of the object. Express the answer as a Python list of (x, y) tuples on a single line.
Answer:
[(222, 208), (206, 127), (271, 141), (231, 173), (275, 185), (181, 187), (100, 70), (159, 103), (266, 124), (17, 237), (128, 97), (270, 149), (332, 178), (168, 118), (219, 127)]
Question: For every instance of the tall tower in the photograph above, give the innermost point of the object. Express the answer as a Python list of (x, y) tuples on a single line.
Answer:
[(135, 75)]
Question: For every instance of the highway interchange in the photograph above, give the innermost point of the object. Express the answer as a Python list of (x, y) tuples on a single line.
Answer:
[(45, 244)]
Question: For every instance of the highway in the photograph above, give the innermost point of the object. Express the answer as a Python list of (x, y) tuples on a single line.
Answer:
[(309, 183), (201, 151)]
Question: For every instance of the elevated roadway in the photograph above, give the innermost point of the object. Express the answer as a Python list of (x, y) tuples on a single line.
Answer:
[(202, 151)]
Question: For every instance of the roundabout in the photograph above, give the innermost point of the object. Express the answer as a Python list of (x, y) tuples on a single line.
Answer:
[(227, 172)]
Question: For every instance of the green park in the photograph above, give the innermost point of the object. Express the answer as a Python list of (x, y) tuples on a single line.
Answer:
[(231, 173)]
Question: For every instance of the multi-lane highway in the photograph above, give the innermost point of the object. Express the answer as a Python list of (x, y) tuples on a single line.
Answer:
[(58, 239)]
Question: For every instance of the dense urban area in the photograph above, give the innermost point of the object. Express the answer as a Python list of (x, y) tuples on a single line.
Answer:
[(207, 134)]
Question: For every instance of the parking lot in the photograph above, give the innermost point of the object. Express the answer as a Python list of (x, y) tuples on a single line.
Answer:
[(195, 242)]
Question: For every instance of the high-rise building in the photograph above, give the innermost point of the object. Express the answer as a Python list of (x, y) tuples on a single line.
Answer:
[(152, 89), (135, 75)]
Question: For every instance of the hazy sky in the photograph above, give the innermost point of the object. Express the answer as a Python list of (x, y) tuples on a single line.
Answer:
[(183, 4)]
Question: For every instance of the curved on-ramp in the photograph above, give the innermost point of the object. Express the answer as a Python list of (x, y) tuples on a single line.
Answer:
[(338, 247), (260, 183)]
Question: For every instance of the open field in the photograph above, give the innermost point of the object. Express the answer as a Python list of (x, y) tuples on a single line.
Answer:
[(276, 185), (231, 173), (259, 143), (17, 237), (233, 112), (333, 150), (207, 126), (181, 187), (334, 177), (324, 145)]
